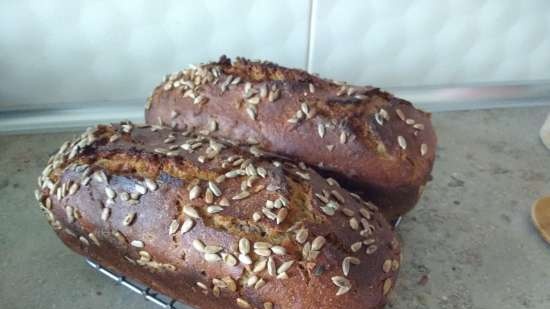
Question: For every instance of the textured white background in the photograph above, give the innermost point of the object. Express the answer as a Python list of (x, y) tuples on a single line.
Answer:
[(88, 51)]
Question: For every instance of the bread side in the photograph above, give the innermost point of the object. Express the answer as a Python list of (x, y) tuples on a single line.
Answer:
[(213, 225), (373, 142)]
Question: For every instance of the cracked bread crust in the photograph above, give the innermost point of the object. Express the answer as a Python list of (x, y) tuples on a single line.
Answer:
[(124, 195), (371, 141)]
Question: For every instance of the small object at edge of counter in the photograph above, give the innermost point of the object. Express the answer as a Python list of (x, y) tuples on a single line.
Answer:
[(545, 132), (540, 213)]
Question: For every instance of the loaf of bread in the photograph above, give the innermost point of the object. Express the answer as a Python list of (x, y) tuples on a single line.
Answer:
[(215, 225), (370, 141)]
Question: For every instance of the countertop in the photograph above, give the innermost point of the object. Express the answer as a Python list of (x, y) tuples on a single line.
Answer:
[(468, 244)]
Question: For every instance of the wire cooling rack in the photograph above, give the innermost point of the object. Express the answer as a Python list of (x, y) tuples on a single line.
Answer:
[(159, 299), (149, 295)]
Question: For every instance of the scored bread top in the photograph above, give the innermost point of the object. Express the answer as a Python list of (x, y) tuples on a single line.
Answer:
[(363, 135), (251, 230)]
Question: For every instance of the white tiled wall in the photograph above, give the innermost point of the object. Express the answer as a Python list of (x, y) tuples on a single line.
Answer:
[(89, 51)]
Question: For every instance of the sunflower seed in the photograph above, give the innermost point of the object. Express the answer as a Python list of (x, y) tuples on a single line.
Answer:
[(387, 286), (371, 249), (202, 285), (284, 266), (214, 209), (346, 264), (198, 245), (73, 188), (281, 215), (259, 284), (244, 246), (70, 214), (340, 281), (321, 130), (243, 303), (318, 243), (211, 257), (224, 202), (251, 281), (301, 235), (191, 212), (400, 114), (137, 243), (402, 142), (150, 184), (259, 266), (423, 149), (386, 267), (124, 196), (129, 219), (256, 216), (330, 147), (311, 88), (395, 265), (278, 250), (268, 305), (144, 255), (338, 196), (306, 250), (94, 239), (214, 188), (271, 267), (378, 119), (251, 112), (173, 228), (253, 100), (343, 137), (110, 193), (303, 175), (269, 214), (119, 236), (241, 195), (356, 246), (348, 212), (229, 259), (274, 95), (194, 192), (262, 252), (84, 240), (245, 259)]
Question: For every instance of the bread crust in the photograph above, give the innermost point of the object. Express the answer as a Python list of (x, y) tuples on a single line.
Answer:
[(121, 195), (371, 141)]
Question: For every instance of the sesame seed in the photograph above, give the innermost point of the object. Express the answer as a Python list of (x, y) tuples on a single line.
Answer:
[(256, 216), (84, 241), (274, 95), (150, 184), (251, 112), (259, 284), (311, 88), (378, 119), (262, 252), (140, 189), (409, 121), (348, 212), (330, 147), (343, 137), (418, 126), (70, 214)]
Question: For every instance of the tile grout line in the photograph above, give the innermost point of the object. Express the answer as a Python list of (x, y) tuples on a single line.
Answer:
[(311, 30)]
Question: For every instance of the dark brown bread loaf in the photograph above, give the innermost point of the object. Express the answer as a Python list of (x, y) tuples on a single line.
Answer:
[(372, 142), (214, 225)]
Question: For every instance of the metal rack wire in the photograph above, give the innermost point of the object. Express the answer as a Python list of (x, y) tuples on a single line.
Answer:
[(157, 298)]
